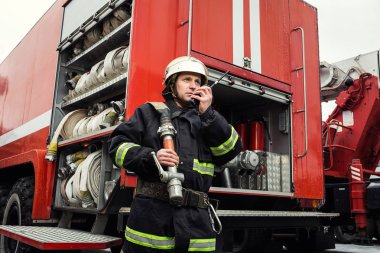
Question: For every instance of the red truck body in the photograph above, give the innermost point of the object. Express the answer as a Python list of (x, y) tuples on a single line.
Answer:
[(269, 48)]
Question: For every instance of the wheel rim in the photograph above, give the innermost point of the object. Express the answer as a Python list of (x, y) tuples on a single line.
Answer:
[(12, 216)]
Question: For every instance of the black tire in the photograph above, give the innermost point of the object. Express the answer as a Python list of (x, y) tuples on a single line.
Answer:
[(344, 235), (377, 236), (116, 249), (4, 190), (371, 227), (18, 211), (257, 240)]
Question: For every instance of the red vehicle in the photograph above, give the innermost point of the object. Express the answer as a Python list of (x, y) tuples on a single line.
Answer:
[(111, 56), (351, 140)]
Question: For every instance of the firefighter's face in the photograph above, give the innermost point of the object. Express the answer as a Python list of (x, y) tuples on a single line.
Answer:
[(187, 83)]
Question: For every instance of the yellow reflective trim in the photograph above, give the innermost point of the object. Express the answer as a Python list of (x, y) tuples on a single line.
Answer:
[(150, 236), (203, 172), (125, 152), (226, 146), (202, 249), (117, 153), (202, 245), (145, 244), (202, 240), (208, 165), (203, 168), (149, 240)]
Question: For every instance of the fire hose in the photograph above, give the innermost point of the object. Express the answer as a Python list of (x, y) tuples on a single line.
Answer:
[(85, 186), (53, 145), (77, 123), (81, 187), (72, 120), (67, 192), (118, 17), (93, 179), (81, 127), (91, 37), (66, 174), (114, 64)]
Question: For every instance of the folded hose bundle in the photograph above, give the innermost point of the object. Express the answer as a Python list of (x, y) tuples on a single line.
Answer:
[(82, 127), (116, 62), (82, 83), (71, 122), (102, 120), (53, 145), (118, 17), (97, 70), (90, 38), (71, 83), (81, 178), (67, 192), (78, 48), (92, 80), (93, 179)]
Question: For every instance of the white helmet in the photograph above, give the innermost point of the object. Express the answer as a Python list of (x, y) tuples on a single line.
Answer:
[(186, 64)]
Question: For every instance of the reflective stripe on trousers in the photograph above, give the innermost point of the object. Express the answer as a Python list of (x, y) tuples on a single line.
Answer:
[(167, 243)]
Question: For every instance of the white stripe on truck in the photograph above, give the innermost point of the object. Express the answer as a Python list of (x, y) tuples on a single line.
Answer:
[(26, 129)]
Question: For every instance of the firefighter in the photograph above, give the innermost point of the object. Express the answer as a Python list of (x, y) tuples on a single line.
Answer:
[(203, 139)]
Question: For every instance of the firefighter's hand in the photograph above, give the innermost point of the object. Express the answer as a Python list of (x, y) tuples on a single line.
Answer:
[(167, 157), (204, 95)]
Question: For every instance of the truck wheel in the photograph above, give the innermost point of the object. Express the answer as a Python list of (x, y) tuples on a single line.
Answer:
[(18, 211), (371, 227), (255, 239), (4, 190), (116, 249), (345, 234)]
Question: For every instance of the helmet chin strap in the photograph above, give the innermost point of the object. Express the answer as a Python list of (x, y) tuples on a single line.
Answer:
[(180, 102)]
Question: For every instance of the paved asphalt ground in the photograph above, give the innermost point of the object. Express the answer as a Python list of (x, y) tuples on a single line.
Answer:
[(340, 248), (352, 248)]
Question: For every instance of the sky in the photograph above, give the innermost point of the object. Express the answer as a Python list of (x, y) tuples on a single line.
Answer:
[(347, 28), (16, 19)]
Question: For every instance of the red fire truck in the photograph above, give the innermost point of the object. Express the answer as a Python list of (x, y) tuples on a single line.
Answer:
[(351, 145), (84, 68)]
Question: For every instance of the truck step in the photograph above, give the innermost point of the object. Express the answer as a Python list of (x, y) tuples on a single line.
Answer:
[(258, 219), (257, 213), (53, 238)]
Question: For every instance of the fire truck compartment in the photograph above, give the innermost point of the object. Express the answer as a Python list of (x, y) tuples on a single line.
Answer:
[(261, 117)]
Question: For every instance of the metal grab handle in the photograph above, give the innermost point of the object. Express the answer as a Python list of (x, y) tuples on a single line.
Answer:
[(189, 32), (304, 91)]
